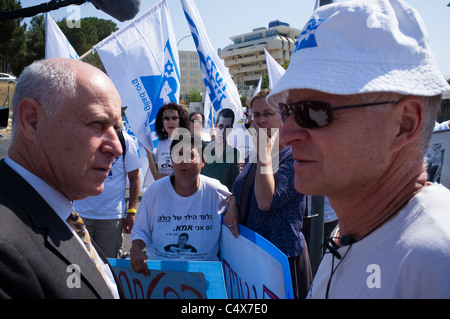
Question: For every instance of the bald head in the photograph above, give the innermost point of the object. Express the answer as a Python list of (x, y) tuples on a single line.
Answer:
[(53, 81), (66, 114)]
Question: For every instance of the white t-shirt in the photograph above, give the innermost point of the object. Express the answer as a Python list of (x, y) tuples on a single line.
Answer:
[(162, 157), (111, 204), (181, 228), (408, 257)]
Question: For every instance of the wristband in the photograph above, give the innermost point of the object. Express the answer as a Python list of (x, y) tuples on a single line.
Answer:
[(131, 211)]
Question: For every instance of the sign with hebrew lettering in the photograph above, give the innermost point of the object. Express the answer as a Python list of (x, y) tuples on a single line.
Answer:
[(253, 267), (171, 280)]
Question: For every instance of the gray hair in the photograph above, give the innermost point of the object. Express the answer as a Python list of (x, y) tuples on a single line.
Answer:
[(431, 105), (51, 83)]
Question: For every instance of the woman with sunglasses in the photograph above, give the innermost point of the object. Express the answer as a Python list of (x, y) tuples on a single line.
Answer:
[(169, 117), (264, 198)]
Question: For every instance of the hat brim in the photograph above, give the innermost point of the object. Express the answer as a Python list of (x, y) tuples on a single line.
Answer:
[(345, 78)]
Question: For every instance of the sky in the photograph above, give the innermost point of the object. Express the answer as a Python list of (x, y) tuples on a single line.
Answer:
[(224, 19)]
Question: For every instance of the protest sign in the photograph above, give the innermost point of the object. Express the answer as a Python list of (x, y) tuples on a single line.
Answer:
[(253, 267), (171, 280), (438, 158)]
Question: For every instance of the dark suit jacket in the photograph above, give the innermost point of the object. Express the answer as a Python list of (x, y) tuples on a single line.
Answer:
[(37, 249)]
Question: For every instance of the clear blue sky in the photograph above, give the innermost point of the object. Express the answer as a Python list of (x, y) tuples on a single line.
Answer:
[(224, 19)]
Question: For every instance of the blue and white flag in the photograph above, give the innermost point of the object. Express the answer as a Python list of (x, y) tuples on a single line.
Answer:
[(274, 69), (219, 86), (56, 43), (142, 60)]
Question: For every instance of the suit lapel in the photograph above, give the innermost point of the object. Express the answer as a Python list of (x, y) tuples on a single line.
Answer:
[(58, 234)]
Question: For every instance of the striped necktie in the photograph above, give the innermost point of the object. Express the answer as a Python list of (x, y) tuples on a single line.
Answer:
[(79, 227)]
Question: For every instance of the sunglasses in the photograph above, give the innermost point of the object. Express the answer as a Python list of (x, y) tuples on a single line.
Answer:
[(168, 118), (314, 114)]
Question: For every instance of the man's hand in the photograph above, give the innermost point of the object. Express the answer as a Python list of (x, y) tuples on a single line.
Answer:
[(128, 223), (138, 257)]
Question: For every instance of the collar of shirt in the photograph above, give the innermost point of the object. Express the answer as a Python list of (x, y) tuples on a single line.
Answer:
[(63, 208), (57, 201)]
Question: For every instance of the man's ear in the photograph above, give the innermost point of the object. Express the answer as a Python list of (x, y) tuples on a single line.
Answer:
[(410, 118), (29, 112)]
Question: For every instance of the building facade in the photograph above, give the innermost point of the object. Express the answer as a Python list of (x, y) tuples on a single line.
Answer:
[(245, 58), (190, 73)]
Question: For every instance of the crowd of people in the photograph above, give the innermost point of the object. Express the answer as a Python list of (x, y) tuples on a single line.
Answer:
[(351, 120)]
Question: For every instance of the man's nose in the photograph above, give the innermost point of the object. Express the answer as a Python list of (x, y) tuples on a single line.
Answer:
[(112, 143), (291, 132)]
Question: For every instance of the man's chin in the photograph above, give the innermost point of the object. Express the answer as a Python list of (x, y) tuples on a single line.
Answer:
[(90, 192)]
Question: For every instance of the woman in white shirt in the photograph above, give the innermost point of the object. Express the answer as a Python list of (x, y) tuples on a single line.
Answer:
[(170, 117)]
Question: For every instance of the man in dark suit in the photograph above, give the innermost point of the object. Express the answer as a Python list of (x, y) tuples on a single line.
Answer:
[(65, 117)]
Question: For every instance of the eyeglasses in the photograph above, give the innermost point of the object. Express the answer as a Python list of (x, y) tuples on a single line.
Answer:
[(256, 116), (168, 118), (314, 114)]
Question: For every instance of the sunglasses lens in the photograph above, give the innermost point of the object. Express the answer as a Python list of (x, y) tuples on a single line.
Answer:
[(284, 110), (319, 114), (307, 114)]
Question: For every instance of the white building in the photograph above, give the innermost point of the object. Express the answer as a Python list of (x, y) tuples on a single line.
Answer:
[(245, 58)]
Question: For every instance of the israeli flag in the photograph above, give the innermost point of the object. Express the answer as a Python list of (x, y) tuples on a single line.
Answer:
[(221, 90), (142, 60), (56, 43)]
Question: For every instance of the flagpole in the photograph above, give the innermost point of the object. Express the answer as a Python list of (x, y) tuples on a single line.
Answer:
[(211, 112), (85, 55)]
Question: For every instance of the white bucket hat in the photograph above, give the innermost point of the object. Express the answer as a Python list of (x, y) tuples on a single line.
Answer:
[(362, 46)]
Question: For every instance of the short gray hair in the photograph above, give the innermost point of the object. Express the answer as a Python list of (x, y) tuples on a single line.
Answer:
[(50, 82), (431, 105)]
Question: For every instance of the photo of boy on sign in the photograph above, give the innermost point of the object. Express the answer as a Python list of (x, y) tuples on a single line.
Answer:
[(181, 246)]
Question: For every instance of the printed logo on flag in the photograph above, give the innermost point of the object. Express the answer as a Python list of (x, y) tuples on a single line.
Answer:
[(156, 90), (307, 39), (212, 78)]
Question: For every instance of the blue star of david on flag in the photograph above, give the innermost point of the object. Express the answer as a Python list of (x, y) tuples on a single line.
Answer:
[(161, 88)]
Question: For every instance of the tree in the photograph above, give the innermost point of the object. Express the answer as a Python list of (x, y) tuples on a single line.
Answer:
[(20, 45), (12, 39), (193, 96), (92, 31), (35, 41)]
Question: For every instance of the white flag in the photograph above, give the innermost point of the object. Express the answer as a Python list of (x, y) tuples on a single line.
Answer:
[(219, 86), (274, 69), (142, 60), (258, 87), (56, 43)]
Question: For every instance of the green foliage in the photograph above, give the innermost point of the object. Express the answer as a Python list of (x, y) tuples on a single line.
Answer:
[(193, 96), (92, 30), (20, 45), (265, 81), (12, 39)]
